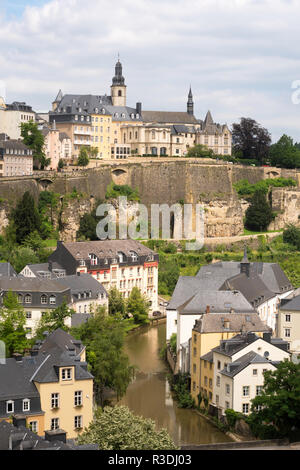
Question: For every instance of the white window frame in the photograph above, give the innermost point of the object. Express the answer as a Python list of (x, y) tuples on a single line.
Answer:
[(66, 373), (10, 402), (54, 401), (26, 401), (78, 395), (54, 424)]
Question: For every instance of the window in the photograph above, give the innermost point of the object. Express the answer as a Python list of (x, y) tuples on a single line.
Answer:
[(78, 398), (287, 333), (27, 299), (246, 391), (66, 374), (44, 299), (94, 259), (52, 299), (205, 380), (227, 388), (259, 389), (227, 405), (219, 365), (10, 406), (288, 318), (195, 352), (217, 399), (54, 400), (28, 315), (78, 422), (26, 404), (33, 426), (54, 424), (245, 408), (194, 386), (194, 368), (218, 381), (254, 371), (210, 383)]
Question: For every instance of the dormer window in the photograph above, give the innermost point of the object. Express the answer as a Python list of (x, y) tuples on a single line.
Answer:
[(44, 299), (66, 374), (26, 404), (27, 299), (134, 256), (10, 406), (121, 257), (82, 262), (52, 299), (94, 259)]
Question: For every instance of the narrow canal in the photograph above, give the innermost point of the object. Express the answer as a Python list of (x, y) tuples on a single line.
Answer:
[(149, 394)]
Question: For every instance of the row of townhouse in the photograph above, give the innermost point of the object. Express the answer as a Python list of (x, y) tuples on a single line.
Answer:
[(50, 391), (231, 374), (16, 159), (225, 288)]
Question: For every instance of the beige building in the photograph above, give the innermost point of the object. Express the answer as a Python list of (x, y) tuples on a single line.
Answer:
[(12, 116), (239, 366), (288, 324), (16, 158), (58, 146), (206, 335)]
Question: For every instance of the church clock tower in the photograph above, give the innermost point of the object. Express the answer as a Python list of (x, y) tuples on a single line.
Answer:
[(118, 87)]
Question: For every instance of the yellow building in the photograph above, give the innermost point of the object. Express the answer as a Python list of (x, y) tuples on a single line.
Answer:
[(101, 135), (206, 335), (50, 390)]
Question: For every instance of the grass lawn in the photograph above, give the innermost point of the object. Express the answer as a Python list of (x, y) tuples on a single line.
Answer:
[(51, 243), (250, 232)]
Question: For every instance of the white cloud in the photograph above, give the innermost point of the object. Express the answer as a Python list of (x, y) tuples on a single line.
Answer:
[(240, 56)]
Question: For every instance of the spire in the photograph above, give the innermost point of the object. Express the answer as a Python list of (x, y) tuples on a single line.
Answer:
[(208, 119), (245, 259), (59, 97), (118, 79), (190, 103), (245, 263)]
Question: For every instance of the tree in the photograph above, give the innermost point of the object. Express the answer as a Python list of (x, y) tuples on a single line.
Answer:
[(119, 429), (35, 140), (278, 406), (259, 214), (138, 306), (55, 319), (104, 336), (12, 325), (284, 153), (250, 140), (291, 235), (88, 224), (83, 159), (26, 217), (116, 303), (200, 151), (61, 164)]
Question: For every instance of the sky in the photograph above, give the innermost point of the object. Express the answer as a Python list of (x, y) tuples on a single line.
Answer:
[(241, 57)]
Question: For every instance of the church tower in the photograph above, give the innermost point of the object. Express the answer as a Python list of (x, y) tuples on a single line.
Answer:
[(118, 87), (190, 103)]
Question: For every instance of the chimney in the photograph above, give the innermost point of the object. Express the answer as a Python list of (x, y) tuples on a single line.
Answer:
[(139, 108), (19, 421), (267, 337), (251, 337), (18, 357), (50, 266), (207, 309), (56, 435)]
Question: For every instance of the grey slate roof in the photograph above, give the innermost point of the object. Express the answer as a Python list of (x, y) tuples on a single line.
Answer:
[(293, 304), (31, 284), (79, 318), (215, 323), (106, 248), (167, 117), (42, 270), (15, 378), (83, 283), (242, 362), (62, 341), (233, 345), (218, 302), (6, 270), (253, 288)]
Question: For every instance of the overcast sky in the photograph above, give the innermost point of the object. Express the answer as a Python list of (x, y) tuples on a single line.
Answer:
[(240, 56)]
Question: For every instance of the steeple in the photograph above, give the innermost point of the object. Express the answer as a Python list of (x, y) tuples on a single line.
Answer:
[(57, 100), (208, 119), (245, 263), (190, 103), (118, 87)]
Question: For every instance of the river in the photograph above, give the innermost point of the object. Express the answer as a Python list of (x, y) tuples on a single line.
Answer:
[(149, 394)]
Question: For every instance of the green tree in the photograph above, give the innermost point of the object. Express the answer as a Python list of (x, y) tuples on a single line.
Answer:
[(88, 224), (200, 151), (284, 153), (54, 319), (83, 159), (116, 303), (259, 214), (12, 325), (26, 217), (291, 235), (104, 335), (119, 429), (138, 306), (250, 140), (278, 406), (35, 140)]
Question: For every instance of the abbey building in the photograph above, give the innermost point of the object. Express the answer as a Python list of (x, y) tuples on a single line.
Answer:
[(114, 130)]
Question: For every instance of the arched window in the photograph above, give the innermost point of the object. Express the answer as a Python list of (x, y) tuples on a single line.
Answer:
[(134, 256), (121, 257), (20, 298), (120, 93), (44, 299)]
